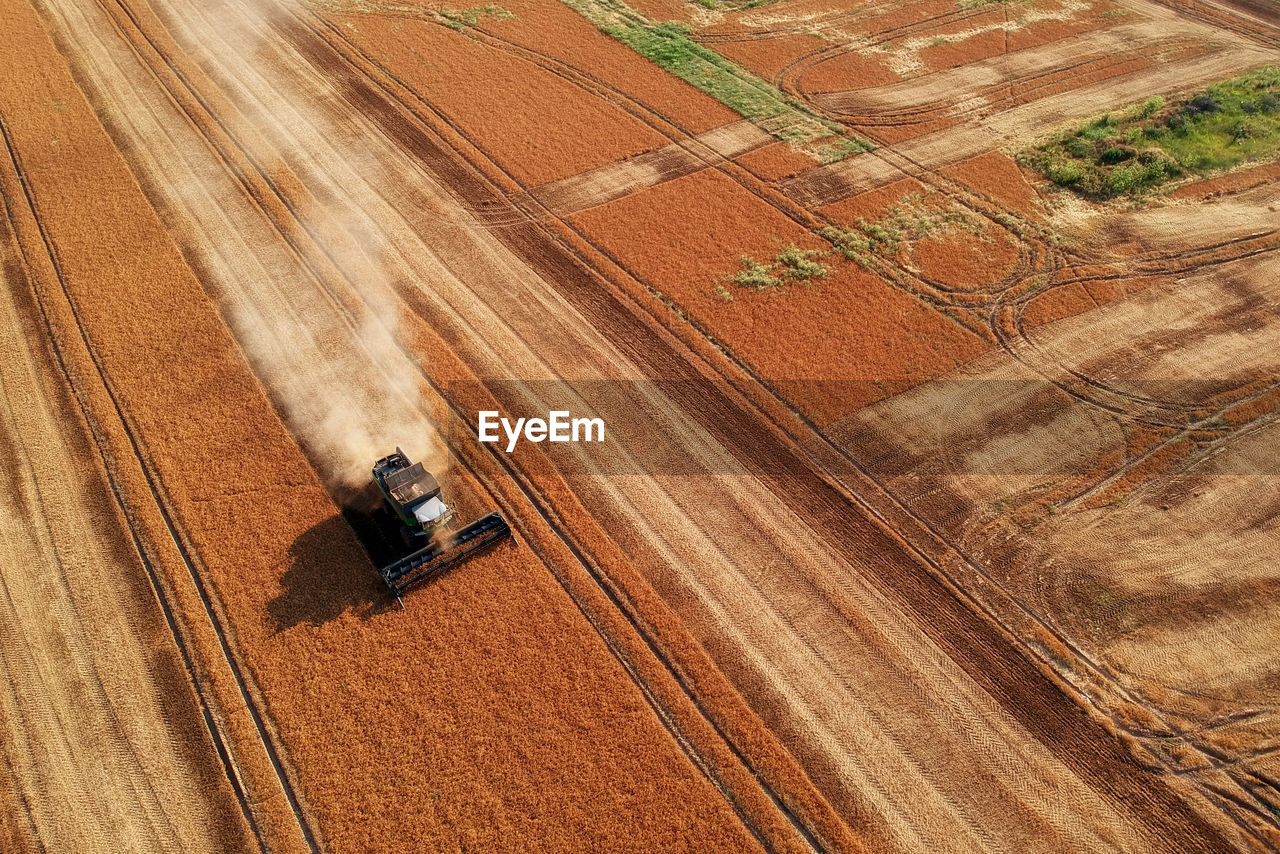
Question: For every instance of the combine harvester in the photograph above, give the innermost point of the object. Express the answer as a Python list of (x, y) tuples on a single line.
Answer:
[(412, 493)]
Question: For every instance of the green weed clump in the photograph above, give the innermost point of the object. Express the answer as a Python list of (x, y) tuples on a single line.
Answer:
[(1127, 154), (910, 219), (792, 264), (461, 19)]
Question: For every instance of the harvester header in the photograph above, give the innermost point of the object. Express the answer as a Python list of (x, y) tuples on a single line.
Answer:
[(413, 495)]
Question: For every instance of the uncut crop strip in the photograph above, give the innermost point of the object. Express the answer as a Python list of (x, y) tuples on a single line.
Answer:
[(301, 246), (64, 403), (208, 703)]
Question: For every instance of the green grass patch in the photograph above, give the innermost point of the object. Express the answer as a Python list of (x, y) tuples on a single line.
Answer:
[(1129, 153), (460, 19), (671, 46), (791, 265)]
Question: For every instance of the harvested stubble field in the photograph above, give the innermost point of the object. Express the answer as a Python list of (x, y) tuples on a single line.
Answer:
[(936, 515)]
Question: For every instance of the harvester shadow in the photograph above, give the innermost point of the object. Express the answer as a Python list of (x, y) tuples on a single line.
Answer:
[(330, 573)]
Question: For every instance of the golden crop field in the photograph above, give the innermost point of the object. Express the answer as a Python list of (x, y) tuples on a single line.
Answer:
[(932, 346)]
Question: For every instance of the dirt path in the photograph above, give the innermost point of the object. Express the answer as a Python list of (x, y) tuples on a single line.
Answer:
[(843, 665), (105, 748)]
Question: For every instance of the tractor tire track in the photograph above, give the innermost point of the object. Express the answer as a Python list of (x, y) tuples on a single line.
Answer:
[(212, 717)]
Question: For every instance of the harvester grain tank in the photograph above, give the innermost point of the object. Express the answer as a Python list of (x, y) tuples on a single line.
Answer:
[(412, 494)]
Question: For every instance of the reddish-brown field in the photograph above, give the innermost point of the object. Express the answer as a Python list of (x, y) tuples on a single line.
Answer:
[(844, 331), (1057, 304), (556, 31), (540, 125), (997, 177), (960, 259), (775, 161), (955, 536), (385, 714), (837, 72), (766, 57)]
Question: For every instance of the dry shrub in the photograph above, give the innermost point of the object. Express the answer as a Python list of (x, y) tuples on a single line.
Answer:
[(1137, 719)]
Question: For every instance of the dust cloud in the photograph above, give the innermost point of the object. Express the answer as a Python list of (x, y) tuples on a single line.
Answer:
[(348, 395), (330, 361)]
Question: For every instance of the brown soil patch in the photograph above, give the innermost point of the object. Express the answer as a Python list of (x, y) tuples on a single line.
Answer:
[(849, 70), (842, 332), (893, 134), (874, 204), (961, 259), (775, 161), (1236, 182), (558, 31), (952, 53), (890, 17), (1057, 304), (768, 57), (996, 176), (691, 230), (666, 10), (1044, 32)]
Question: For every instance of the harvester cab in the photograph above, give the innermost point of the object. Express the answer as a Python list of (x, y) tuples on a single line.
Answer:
[(412, 494)]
